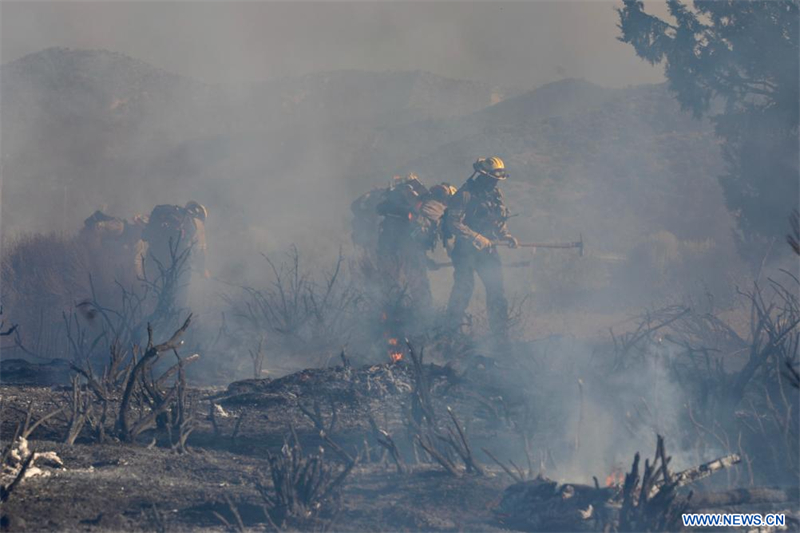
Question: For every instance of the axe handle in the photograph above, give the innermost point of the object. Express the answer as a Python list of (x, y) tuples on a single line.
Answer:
[(541, 245), (449, 264)]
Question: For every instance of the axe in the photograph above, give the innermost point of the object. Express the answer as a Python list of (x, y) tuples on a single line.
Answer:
[(577, 244)]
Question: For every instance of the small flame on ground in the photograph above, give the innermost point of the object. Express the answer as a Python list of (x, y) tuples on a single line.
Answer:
[(394, 354), (615, 478)]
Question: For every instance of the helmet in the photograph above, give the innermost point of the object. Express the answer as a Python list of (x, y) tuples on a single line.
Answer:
[(412, 180), (140, 219), (492, 167), (96, 218), (197, 210)]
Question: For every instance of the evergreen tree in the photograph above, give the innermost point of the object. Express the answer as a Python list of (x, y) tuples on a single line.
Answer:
[(735, 61)]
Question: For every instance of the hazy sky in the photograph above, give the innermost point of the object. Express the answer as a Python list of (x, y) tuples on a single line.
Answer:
[(521, 44)]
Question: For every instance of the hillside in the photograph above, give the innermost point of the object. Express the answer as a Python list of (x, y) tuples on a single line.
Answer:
[(89, 128), (279, 162), (77, 125), (379, 98), (615, 164)]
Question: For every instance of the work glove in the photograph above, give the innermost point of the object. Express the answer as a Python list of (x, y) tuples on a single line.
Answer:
[(512, 241), (481, 243)]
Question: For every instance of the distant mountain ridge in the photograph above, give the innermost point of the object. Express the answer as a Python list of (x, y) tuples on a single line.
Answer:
[(553, 99), (112, 126), (400, 96), (62, 80), (281, 160)]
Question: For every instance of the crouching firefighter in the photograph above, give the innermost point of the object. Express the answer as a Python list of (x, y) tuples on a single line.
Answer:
[(475, 220)]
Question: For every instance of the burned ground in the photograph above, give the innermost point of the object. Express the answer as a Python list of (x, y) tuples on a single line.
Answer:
[(463, 435), (343, 412), (116, 486)]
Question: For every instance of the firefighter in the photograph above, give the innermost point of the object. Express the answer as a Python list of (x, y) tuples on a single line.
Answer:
[(475, 221), (174, 240), (101, 228), (112, 242), (400, 261), (410, 228)]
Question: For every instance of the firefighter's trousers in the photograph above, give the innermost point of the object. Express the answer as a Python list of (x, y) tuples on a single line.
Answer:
[(467, 261)]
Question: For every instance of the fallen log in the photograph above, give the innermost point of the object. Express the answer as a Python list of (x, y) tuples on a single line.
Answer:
[(696, 473), (650, 502), (704, 470)]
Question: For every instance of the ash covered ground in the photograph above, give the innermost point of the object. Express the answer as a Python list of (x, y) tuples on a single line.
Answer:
[(477, 444)]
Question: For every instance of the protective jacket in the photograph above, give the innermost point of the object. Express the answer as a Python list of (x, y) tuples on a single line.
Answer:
[(428, 223), (476, 210)]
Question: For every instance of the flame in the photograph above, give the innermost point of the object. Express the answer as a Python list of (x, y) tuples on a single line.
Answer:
[(393, 342), (396, 357), (615, 478)]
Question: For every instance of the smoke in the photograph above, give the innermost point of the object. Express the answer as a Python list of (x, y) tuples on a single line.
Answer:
[(277, 140), (249, 126), (587, 415), (517, 44)]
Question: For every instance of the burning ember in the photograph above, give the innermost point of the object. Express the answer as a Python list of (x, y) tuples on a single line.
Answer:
[(394, 353)]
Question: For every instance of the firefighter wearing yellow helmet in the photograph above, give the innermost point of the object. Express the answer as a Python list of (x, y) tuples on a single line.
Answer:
[(475, 221)]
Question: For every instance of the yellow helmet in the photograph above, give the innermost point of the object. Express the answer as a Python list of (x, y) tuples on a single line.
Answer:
[(197, 210), (492, 167)]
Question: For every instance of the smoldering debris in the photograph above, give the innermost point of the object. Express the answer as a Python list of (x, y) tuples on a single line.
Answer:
[(650, 502)]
